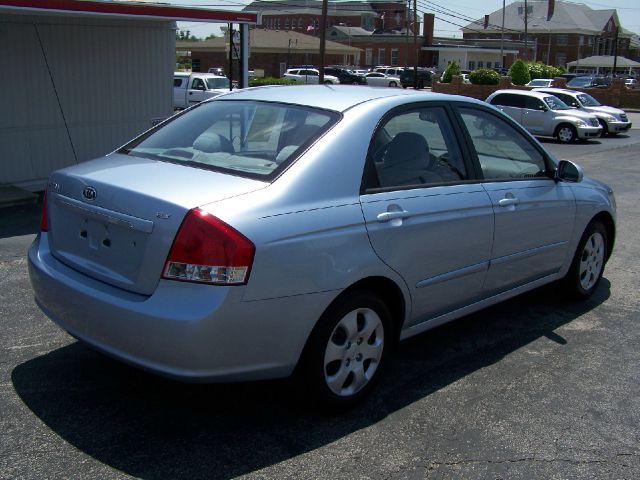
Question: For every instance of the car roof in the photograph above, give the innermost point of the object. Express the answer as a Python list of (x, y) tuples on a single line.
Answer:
[(527, 93), (338, 98), (556, 90)]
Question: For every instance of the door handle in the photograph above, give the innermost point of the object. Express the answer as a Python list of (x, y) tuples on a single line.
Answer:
[(386, 216), (506, 202)]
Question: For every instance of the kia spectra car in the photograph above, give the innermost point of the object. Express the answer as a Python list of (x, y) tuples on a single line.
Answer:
[(306, 230)]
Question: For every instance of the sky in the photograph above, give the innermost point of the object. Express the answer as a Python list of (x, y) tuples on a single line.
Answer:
[(628, 13)]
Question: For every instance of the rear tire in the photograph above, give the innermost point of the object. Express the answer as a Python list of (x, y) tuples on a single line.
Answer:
[(346, 351), (393, 84), (588, 263)]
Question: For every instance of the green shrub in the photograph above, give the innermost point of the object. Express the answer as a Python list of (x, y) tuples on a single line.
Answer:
[(540, 70), (484, 76), (452, 69), (259, 82), (519, 73)]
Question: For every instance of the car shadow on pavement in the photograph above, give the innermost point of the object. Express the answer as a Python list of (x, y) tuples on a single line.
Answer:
[(154, 428), (20, 220)]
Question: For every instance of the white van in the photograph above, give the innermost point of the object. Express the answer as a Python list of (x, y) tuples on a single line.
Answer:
[(192, 88)]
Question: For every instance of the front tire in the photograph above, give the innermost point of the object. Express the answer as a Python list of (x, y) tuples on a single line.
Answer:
[(393, 84), (588, 263), (347, 350), (566, 133), (605, 129)]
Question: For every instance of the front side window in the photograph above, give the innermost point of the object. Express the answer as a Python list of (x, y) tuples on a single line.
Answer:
[(197, 84), (503, 152), (249, 139), (554, 103), (587, 100), (416, 148)]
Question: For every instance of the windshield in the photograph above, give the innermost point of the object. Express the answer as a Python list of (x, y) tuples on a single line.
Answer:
[(219, 82), (554, 103), (250, 139), (587, 100), (580, 81)]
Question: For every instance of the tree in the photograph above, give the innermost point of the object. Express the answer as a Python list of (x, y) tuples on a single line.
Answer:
[(519, 73), (452, 69)]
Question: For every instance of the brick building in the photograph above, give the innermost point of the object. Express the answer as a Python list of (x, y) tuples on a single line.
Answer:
[(557, 34)]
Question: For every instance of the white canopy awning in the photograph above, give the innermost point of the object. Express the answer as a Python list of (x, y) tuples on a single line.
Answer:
[(604, 61)]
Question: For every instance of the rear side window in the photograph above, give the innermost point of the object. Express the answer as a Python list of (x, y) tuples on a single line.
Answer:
[(251, 139), (177, 82), (508, 100), (533, 103), (503, 152)]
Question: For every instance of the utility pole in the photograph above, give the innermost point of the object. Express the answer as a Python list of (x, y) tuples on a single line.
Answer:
[(502, 39), (415, 43), (615, 53), (323, 39), (526, 34)]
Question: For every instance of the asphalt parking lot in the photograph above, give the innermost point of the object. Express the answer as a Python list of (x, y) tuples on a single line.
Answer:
[(536, 388)]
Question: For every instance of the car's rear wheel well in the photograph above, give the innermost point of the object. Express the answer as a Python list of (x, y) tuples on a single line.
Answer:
[(607, 221), (381, 287)]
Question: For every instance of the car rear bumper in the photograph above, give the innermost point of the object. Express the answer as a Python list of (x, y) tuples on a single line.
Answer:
[(183, 330)]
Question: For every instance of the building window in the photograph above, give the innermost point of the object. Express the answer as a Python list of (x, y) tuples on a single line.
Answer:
[(480, 64), (394, 57), (300, 23), (286, 24), (563, 39), (561, 59), (472, 65), (278, 24), (381, 56), (195, 64), (368, 56), (529, 10)]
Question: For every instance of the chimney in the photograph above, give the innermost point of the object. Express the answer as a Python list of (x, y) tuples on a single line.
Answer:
[(427, 31)]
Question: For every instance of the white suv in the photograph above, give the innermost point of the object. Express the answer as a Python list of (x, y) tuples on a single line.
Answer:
[(613, 120), (545, 115), (309, 75)]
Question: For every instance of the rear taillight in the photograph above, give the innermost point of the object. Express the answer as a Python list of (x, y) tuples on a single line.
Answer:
[(207, 250), (44, 219)]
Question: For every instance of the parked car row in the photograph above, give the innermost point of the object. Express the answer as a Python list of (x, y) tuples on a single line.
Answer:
[(564, 114)]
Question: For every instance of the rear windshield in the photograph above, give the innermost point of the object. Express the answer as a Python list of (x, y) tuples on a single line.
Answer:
[(245, 138)]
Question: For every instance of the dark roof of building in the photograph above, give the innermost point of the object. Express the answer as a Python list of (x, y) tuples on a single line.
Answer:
[(567, 17)]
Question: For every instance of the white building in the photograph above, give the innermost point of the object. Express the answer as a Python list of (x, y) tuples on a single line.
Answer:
[(80, 78)]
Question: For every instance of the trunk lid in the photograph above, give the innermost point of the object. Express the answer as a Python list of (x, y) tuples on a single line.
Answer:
[(115, 218)]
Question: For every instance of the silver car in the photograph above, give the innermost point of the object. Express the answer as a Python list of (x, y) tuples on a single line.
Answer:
[(306, 230), (613, 120), (546, 115)]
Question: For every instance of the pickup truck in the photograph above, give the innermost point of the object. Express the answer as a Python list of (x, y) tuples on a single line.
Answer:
[(192, 88)]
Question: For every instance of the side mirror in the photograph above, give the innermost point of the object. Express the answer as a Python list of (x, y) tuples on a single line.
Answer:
[(542, 108), (569, 172), (202, 87)]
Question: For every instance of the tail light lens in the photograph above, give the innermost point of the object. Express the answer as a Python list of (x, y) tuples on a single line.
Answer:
[(207, 250), (44, 218)]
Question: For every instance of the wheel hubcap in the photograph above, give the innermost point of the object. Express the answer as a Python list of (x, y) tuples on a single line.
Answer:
[(565, 134), (353, 352), (591, 261)]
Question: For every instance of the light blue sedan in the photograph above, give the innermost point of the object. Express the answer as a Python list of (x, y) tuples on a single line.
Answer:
[(307, 230)]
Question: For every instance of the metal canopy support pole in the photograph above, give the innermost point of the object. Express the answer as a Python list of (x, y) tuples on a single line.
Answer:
[(415, 44), (244, 67)]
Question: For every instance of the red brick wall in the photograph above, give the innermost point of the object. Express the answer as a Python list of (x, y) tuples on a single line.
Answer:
[(617, 95)]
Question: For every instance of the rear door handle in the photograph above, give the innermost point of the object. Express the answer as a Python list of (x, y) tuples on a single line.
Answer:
[(386, 216)]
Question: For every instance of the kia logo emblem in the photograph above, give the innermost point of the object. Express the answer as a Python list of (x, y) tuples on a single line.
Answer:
[(89, 193)]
